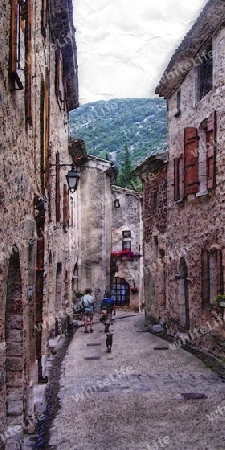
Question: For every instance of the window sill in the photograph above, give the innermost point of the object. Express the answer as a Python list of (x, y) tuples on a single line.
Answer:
[(202, 193)]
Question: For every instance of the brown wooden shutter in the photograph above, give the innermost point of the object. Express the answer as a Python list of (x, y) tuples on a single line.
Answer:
[(46, 127), (191, 182), (177, 179), (59, 88), (42, 133), (58, 194), (28, 63), (211, 151), (205, 293), (44, 17), (65, 207), (13, 37), (181, 177), (219, 271)]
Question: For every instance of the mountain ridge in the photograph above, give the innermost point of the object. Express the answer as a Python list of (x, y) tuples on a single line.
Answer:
[(108, 127)]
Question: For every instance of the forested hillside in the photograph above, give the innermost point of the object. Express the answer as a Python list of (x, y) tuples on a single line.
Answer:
[(107, 127)]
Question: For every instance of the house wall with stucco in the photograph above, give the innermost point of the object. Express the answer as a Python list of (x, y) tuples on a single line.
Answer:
[(128, 217)]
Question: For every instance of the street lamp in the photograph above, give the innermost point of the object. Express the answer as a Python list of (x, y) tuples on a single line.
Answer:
[(72, 179), (72, 176)]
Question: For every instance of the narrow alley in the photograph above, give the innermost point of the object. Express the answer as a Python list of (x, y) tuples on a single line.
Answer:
[(133, 397)]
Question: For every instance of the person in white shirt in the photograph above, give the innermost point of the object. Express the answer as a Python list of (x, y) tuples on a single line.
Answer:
[(88, 305)]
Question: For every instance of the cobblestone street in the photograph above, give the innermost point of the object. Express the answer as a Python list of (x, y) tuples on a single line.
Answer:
[(132, 398)]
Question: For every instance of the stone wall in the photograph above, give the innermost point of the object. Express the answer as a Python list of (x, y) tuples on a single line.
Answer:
[(187, 256), (21, 171), (153, 174)]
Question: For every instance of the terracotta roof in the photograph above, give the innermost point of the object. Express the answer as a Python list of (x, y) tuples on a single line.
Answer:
[(63, 35), (211, 19)]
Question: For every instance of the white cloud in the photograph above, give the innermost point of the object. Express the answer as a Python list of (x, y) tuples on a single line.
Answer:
[(125, 45)]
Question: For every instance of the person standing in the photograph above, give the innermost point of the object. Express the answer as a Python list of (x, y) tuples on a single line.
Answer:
[(88, 305)]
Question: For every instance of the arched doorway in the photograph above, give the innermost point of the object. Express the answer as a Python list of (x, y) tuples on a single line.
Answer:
[(183, 295), (121, 291), (14, 343)]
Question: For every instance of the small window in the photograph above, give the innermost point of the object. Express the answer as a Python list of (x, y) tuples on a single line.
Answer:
[(126, 234), (59, 83), (126, 245), (178, 112), (178, 178), (205, 70)]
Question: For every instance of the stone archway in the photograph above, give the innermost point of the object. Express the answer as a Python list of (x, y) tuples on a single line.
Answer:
[(183, 295), (14, 343)]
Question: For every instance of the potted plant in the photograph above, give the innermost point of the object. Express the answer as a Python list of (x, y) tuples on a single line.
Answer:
[(79, 294)]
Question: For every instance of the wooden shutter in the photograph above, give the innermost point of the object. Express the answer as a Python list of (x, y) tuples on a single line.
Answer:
[(13, 37), (181, 177), (177, 179), (59, 88), (44, 17), (57, 190), (219, 271), (46, 127), (205, 279), (211, 151), (65, 207), (28, 63), (191, 182)]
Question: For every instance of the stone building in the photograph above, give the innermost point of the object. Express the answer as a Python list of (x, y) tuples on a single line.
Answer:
[(153, 174), (109, 233), (126, 257), (95, 218), (193, 241), (38, 87)]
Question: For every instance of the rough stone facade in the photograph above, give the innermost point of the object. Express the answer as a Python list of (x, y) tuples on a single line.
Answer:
[(193, 256), (38, 86), (152, 173), (127, 233)]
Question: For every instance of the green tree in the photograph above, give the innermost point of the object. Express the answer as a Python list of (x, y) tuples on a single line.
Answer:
[(127, 178)]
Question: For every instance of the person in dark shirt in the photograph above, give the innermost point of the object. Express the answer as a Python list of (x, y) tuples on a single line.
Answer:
[(107, 311)]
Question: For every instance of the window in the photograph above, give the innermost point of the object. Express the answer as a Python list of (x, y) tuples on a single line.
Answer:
[(65, 208), (126, 234), (205, 70), (20, 53), (28, 63), (178, 112), (121, 291), (178, 178), (58, 193), (126, 245), (16, 52), (126, 240), (191, 181), (207, 153), (211, 151), (59, 84), (211, 276), (44, 17)]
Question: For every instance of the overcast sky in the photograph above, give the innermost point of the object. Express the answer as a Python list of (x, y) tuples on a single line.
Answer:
[(125, 45)]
